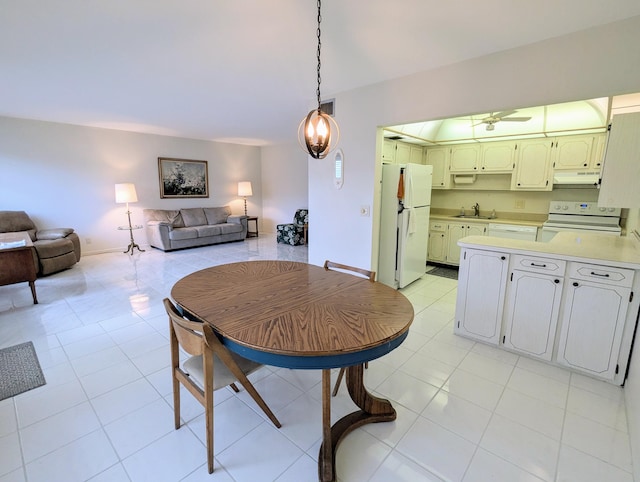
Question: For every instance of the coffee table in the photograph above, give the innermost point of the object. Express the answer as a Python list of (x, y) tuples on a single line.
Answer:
[(297, 315)]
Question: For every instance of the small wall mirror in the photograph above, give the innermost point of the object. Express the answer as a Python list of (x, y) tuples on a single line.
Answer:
[(338, 179)]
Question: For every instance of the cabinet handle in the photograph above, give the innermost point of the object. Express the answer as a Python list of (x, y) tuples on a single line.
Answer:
[(575, 283), (556, 281), (539, 265), (503, 258), (606, 275)]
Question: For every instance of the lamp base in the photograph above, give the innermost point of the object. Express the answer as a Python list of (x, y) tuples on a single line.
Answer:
[(132, 244)]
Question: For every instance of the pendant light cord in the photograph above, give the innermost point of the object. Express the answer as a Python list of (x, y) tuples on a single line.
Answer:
[(319, 47)]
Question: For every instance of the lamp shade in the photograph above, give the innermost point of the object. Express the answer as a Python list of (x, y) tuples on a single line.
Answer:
[(244, 189), (126, 193)]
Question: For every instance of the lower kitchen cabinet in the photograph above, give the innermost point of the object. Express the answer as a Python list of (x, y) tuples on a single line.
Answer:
[(596, 304), (531, 313), (437, 248), (457, 231), (480, 300), (577, 315)]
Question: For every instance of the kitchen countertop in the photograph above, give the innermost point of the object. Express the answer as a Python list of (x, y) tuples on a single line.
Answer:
[(623, 251)]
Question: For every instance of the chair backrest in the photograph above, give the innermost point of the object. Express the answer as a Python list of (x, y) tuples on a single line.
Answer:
[(188, 333), (301, 217), (343, 267)]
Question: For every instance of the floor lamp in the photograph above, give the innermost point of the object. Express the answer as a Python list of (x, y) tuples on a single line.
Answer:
[(126, 193), (244, 190)]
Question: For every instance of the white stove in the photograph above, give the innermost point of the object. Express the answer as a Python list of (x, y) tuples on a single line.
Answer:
[(579, 216)]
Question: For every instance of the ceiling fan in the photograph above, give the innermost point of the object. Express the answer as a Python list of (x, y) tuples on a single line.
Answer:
[(492, 119)]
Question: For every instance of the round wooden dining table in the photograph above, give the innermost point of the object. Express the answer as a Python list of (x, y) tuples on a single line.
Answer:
[(297, 315)]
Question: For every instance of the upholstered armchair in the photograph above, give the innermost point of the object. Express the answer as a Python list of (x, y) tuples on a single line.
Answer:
[(55, 249), (294, 233)]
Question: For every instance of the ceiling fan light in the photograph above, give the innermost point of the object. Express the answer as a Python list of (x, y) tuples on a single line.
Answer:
[(490, 126)]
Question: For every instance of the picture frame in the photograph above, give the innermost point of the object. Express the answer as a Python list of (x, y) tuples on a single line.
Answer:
[(183, 178)]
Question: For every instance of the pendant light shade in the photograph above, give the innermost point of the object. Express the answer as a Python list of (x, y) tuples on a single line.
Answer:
[(318, 133)]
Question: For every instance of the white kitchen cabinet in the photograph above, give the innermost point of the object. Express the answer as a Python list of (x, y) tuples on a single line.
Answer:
[(403, 153), (481, 290), (437, 249), (389, 151), (498, 157), (416, 154), (532, 305), (457, 231), (621, 169), (464, 158), (593, 318), (573, 153), (600, 142), (533, 166), (438, 157)]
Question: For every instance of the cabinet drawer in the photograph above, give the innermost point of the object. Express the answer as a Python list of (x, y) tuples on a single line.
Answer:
[(438, 226), (538, 265), (601, 274)]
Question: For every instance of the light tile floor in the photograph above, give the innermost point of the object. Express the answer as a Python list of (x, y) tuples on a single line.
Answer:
[(466, 412)]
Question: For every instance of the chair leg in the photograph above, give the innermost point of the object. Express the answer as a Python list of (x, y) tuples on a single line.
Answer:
[(338, 381), (176, 402), (234, 387), (208, 411), (248, 386)]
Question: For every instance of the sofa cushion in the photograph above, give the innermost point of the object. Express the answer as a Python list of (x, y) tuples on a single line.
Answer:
[(193, 217), (230, 228), (165, 216), (206, 230), (183, 233), (217, 215), (51, 248)]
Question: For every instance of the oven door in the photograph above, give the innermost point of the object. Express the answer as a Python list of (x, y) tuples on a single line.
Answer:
[(548, 232)]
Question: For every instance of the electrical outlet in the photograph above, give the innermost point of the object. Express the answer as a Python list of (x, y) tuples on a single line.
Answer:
[(519, 204), (364, 211)]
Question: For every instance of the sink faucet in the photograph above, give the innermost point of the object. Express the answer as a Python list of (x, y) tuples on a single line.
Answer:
[(476, 209)]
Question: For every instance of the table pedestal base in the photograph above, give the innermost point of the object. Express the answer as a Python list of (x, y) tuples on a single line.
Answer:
[(372, 409)]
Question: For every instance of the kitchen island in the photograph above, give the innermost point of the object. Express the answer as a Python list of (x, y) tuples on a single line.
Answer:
[(569, 302)]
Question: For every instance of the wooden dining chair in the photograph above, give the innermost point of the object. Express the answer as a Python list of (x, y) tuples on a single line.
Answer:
[(210, 367), (367, 274)]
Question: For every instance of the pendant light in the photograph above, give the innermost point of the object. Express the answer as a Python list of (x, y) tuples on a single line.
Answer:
[(318, 133)]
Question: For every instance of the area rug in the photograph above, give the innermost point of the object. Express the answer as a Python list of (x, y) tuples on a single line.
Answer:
[(19, 370), (443, 272)]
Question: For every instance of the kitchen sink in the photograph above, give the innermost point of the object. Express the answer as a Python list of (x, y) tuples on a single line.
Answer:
[(473, 217)]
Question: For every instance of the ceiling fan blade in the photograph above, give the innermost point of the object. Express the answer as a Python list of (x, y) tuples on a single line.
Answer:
[(516, 119), (505, 113)]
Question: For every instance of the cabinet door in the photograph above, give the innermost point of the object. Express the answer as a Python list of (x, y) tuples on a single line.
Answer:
[(438, 157), (531, 313), (621, 164), (476, 230), (599, 143), (533, 166), (592, 324), (437, 250), (498, 156), (455, 232), (572, 153), (481, 290), (403, 153), (415, 154), (389, 151), (464, 158)]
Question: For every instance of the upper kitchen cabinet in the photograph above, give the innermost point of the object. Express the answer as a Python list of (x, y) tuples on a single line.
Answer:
[(621, 168), (573, 153), (389, 151), (600, 142), (403, 153), (438, 157), (416, 154), (498, 157), (533, 166), (395, 152), (464, 158)]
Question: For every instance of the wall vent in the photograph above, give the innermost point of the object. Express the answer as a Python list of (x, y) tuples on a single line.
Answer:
[(328, 107)]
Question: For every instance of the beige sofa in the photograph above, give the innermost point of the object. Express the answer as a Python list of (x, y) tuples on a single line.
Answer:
[(55, 249), (186, 228)]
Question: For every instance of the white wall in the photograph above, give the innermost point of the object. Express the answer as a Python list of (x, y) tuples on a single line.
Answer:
[(284, 184), (64, 176), (595, 63)]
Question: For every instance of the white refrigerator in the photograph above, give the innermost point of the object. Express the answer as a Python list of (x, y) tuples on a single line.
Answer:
[(404, 223)]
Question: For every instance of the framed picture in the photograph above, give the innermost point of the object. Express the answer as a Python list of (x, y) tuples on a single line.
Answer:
[(183, 178)]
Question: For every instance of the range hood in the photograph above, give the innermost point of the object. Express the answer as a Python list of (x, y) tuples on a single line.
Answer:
[(571, 178)]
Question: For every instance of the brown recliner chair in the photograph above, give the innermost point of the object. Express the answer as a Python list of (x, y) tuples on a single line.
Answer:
[(55, 249)]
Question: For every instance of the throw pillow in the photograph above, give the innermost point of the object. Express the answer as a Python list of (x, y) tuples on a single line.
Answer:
[(193, 217), (217, 215)]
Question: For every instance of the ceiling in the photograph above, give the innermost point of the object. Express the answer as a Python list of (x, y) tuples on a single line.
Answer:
[(244, 71)]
